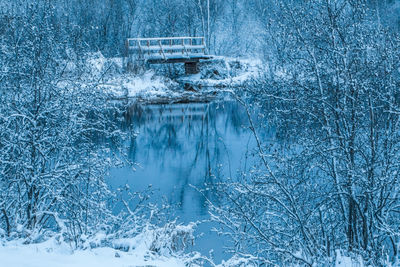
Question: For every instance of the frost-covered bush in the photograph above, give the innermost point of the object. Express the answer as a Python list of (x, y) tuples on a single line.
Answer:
[(167, 240), (330, 179), (220, 68), (216, 69), (172, 238), (100, 67)]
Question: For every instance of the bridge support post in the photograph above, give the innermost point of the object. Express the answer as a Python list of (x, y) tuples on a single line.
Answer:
[(191, 67)]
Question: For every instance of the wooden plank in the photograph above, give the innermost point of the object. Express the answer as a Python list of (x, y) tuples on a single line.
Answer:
[(176, 60), (166, 47), (165, 38)]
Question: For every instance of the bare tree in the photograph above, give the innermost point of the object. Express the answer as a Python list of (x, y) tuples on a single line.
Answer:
[(334, 183), (52, 168)]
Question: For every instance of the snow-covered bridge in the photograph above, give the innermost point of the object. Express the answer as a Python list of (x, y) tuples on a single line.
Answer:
[(188, 50)]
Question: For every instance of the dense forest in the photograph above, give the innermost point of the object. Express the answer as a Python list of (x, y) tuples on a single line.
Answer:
[(329, 84), (233, 27)]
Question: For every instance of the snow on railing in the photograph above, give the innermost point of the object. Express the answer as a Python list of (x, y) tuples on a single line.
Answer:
[(166, 48)]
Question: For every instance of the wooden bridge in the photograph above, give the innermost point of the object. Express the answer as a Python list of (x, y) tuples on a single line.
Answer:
[(188, 50)]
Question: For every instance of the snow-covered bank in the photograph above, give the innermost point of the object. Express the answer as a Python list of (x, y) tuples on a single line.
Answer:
[(215, 74), (113, 79), (146, 85)]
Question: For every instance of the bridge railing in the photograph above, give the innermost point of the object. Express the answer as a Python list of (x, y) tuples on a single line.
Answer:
[(166, 48)]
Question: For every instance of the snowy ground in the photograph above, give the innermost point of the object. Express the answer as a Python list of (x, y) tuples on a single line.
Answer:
[(52, 254), (154, 246), (167, 246), (46, 255)]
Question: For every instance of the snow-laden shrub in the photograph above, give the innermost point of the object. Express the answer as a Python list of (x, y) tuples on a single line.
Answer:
[(172, 238), (220, 68), (216, 69), (240, 261), (99, 66)]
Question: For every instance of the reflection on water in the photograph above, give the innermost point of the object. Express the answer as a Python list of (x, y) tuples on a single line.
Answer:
[(179, 145)]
